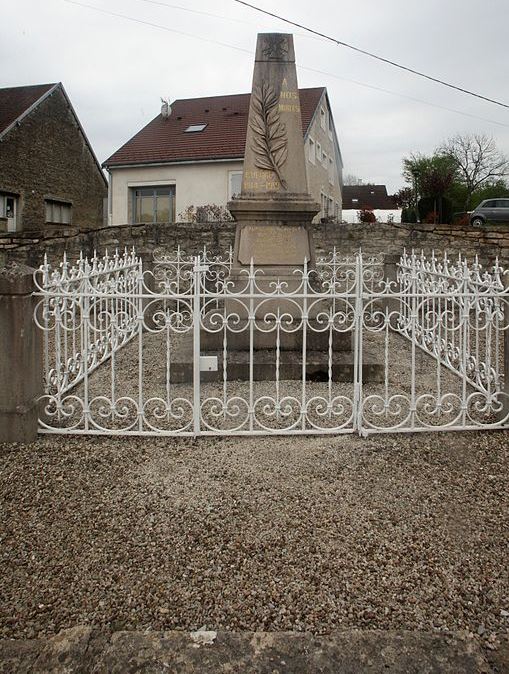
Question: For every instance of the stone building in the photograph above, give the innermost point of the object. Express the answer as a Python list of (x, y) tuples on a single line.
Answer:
[(193, 156), (50, 179)]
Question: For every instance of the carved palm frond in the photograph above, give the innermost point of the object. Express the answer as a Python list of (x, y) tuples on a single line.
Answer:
[(270, 141)]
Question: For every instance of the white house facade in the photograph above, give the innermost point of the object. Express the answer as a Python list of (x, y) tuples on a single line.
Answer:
[(194, 157)]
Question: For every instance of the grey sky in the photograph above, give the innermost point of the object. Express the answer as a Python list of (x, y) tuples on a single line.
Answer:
[(115, 70)]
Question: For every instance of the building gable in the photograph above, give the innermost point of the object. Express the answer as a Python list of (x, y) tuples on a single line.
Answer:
[(17, 102)]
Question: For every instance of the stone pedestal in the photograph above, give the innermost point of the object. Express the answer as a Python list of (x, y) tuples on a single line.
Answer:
[(20, 356)]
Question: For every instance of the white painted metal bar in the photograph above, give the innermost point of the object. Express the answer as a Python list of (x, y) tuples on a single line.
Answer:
[(197, 271), (443, 311)]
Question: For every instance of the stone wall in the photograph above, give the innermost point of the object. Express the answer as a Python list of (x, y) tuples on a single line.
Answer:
[(377, 238), (47, 157)]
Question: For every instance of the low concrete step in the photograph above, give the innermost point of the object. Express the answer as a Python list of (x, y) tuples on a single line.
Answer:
[(264, 366), (264, 337)]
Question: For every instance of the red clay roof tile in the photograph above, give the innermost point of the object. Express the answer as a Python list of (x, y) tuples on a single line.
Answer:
[(224, 137), (14, 101), (367, 196)]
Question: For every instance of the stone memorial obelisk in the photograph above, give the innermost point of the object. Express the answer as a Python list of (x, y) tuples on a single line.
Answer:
[(273, 214), (274, 210)]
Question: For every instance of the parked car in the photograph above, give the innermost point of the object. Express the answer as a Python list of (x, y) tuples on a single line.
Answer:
[(490, 210)]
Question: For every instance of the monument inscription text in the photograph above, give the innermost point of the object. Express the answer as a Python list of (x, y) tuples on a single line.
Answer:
[(273, 244)]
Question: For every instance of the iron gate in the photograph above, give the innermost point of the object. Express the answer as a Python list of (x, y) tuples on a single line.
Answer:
[(190, 346)]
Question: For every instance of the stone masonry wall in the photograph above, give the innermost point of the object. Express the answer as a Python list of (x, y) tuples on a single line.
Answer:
[(487, 243), (46, 156)]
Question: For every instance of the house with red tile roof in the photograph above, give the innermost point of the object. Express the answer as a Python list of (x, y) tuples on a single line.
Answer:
[(50, 179), (192, 155), (374, 198)]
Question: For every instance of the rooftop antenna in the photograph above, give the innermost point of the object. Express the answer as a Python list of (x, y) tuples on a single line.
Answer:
[(165, 108)]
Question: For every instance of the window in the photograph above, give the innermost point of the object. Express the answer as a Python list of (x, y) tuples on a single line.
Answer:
[(8, 210), (336, 209), (193, 128), (331, 171), (323, 119), (324, 159), (312, 151), (154, 204), (318, 152), (324, 204), (234, 184), (58, 212)]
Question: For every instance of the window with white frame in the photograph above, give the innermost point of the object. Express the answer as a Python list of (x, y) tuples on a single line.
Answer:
[(153, 204), (8, 210), (312, 151), (58, 212), (234, 184)]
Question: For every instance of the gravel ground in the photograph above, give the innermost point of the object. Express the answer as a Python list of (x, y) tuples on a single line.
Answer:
[(319, 534)]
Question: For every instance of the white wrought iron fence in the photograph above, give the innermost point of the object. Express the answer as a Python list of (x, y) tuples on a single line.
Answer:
[(459, 319), (193, 346), (86, 315)]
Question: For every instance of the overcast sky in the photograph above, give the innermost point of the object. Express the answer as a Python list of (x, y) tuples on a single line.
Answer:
[(115, 70)]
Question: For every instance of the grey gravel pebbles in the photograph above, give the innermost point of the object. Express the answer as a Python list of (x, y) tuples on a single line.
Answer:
[(317, 534)]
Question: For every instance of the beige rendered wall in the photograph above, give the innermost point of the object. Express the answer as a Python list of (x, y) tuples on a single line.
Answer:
[(195, 185), (317, 173), (207, 183)]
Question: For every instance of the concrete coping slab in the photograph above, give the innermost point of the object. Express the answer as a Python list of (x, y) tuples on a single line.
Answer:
[(81, 650)]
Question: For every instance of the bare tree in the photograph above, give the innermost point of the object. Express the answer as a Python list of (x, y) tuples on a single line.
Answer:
[(477, 159), (350, 179)]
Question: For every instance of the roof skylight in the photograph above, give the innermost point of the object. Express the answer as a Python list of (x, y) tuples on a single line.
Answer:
[(193, 128)]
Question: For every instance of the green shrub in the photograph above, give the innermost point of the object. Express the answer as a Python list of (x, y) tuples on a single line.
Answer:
[(428, 205), (408, 215)]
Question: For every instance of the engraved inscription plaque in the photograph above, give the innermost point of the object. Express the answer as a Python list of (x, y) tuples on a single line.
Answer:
[(273, 245)]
